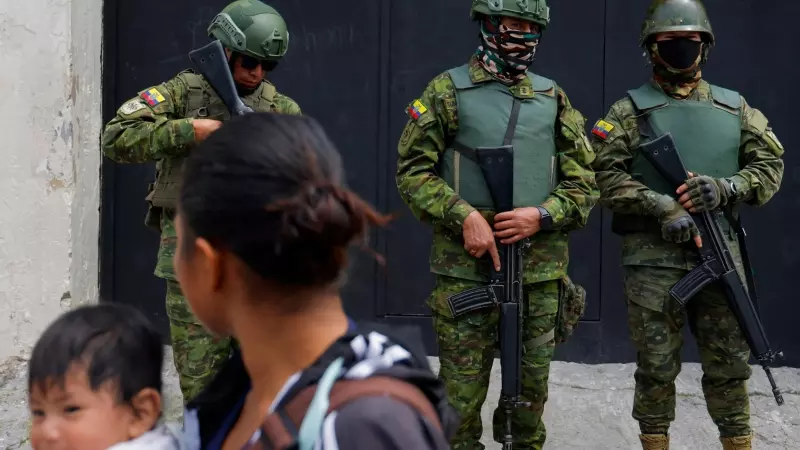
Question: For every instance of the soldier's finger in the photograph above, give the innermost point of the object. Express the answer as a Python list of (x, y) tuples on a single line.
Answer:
[(684, 198), (513, 239), (479, 252), (682, 188), (685, 235), (495, 256), (696, 235), (508, 215), (507, 233), (688, 204), (504, 225)]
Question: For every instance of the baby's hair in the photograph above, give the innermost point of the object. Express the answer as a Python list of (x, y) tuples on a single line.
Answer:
[(269, 188), (109, 342)]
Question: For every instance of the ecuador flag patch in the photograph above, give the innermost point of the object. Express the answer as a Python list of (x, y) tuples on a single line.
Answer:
[(602, 128), (152, 97), (416, 109)]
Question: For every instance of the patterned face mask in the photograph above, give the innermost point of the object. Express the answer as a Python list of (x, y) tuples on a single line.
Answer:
[(678, 83), (506, 53)]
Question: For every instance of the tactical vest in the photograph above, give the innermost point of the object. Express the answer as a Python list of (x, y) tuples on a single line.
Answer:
[(201, 103), (707, 134), (484, 110)]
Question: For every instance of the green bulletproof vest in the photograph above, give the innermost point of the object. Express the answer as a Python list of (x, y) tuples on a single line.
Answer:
[(201, 103), (484, 110), (707, 134)]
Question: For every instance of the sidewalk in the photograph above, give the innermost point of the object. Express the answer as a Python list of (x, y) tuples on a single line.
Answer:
[(588, 408)]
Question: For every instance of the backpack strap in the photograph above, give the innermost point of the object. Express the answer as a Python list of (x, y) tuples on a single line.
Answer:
[(279, 430)]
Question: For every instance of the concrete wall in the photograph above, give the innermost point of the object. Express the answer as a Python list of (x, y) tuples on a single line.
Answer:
[(50, 121)]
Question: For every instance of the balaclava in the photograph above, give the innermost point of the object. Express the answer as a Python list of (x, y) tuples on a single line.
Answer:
[(676, 65), (505, 53)]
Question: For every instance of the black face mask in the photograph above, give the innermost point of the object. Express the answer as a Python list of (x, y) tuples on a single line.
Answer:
[(679, 53)]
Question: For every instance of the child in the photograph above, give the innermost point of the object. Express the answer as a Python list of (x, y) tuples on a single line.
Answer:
[(94, 382)]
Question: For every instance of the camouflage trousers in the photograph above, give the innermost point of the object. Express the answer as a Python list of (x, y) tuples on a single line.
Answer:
[(197, 354), (655, 320), (466, 352)]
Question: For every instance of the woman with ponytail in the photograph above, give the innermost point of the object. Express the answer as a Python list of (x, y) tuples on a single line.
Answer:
[(264, 226)]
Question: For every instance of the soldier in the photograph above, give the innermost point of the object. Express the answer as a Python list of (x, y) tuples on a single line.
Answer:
[(476, 105), (734, 158), (162, 124)]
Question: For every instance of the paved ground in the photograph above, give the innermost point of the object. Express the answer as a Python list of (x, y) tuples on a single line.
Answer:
[(589, 408)]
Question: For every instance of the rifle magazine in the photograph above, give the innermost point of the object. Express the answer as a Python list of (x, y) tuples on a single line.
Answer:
[(472, 300), (698, 278)]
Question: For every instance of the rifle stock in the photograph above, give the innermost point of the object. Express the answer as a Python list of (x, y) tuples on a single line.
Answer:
[(716, 260), (211, 62), (505, 286)]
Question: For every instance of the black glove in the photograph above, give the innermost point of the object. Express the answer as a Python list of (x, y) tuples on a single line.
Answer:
[(708, 193), (676, 224)]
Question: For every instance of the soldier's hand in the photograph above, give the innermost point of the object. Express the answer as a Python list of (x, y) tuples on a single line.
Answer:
[(204, 127), (676, 224), (512, 226), (701, 193), (478, 238)]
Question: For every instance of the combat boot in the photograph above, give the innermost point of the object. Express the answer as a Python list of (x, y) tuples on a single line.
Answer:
[(654, 441), (737, 443)]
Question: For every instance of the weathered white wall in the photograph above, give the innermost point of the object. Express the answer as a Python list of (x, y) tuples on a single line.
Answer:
[(49, 170)]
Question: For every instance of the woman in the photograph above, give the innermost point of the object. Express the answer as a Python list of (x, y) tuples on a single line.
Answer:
[(264, 225)]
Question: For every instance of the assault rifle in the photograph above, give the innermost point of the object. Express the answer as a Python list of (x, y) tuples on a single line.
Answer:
[(505, 286), (212, 63), (716, 261)]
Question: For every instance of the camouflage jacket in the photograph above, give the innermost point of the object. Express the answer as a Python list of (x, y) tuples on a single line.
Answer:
[(433, 201), (760, 155), (141, 133)]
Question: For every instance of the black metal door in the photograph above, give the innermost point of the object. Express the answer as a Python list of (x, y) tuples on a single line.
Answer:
[(355, 65)]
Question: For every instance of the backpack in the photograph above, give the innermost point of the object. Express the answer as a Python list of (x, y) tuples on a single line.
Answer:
[(310, 406)]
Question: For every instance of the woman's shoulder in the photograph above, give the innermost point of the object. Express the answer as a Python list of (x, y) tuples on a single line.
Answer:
[(380, 422)]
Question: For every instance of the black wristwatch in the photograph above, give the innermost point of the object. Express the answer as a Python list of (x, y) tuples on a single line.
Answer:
[(546, 221)]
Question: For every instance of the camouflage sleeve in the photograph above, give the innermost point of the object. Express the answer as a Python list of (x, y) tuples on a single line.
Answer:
[(573, 198), (285, 105), (432, 121), (150, 126), (760, 157), (612, 142)]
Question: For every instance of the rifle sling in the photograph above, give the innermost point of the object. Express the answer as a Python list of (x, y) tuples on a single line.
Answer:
[(540, 340), (469, 152), (748, 271), (646, 129)]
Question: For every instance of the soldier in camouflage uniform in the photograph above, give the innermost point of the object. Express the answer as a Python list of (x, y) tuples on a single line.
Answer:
[(734, 158), (471, 106), (162, 124)]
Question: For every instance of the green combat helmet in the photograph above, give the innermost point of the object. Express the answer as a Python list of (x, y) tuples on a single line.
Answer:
[(251, 28), (677, 15), (535, 11)]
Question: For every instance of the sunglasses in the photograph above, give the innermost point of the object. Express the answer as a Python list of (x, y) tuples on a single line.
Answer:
[(250, 63)]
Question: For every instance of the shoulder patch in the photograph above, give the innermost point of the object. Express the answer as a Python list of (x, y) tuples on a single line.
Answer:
[(602, 128), (416, 109), (131, 106), (152, 96)]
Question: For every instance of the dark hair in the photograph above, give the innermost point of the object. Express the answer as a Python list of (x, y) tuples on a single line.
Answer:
[(269, 188), (112, 342)]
